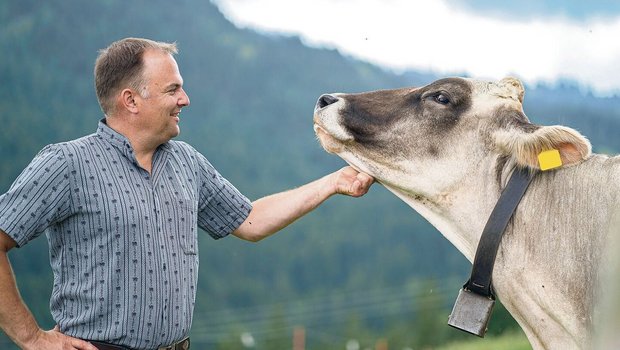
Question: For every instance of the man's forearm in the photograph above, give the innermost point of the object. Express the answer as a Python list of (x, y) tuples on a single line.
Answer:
[(272, 213), (15, 318)]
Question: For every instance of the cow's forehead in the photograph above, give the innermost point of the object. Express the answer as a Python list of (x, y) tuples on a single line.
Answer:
[(509, 88)]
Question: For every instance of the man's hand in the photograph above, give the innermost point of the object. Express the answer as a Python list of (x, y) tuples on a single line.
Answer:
[(54, 339), (351, 182)]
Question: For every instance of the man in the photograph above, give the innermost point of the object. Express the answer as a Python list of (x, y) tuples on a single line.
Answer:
[(121, 208)]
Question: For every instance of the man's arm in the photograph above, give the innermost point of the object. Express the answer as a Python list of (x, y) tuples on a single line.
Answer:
[(272, 213), (15, 318)]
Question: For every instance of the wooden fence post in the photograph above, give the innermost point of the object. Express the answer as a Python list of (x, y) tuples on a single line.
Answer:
[(299, 338)]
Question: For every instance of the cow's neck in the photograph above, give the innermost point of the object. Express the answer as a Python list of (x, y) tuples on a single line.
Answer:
[(461, 213), (557, 239), (545, 237)]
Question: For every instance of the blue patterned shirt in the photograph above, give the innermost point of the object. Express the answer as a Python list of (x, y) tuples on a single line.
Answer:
[(123, 242)]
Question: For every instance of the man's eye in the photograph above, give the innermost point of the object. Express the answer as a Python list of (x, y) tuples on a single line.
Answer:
[(442, 99)]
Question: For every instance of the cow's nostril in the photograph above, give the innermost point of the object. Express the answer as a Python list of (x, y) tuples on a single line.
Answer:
[(325, 100)]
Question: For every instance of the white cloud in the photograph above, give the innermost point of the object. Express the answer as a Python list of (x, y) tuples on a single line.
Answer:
[(432, 35)]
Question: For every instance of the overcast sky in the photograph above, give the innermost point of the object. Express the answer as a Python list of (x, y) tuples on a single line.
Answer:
[(537, 41)]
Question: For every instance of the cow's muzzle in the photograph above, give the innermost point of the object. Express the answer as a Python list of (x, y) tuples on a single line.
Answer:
[(324, 101)]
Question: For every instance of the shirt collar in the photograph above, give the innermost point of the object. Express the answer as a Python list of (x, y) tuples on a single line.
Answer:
[(116, 139), (120, 142)]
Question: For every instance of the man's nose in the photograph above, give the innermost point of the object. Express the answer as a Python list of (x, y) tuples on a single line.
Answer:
[(184, 101)]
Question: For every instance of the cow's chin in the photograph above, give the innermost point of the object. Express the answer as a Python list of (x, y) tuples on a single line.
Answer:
[(328, 142)]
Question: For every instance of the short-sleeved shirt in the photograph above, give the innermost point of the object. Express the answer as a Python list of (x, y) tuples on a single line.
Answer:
[(123, 242)]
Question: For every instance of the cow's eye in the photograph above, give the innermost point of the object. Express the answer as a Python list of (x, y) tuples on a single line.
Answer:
[(442, 99)]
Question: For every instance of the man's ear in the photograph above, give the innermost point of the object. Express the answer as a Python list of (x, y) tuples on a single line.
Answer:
[(524, 146), (128, 102)]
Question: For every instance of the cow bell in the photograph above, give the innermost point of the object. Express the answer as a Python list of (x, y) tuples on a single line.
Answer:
[(471, 312)]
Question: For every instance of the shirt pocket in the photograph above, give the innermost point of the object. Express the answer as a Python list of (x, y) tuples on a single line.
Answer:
[(187, 228), (178, 185)]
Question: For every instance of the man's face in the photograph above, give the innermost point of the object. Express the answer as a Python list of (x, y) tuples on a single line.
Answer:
[(164, 96)]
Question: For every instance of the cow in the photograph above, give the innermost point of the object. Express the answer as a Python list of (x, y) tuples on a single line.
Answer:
[(448, 149)]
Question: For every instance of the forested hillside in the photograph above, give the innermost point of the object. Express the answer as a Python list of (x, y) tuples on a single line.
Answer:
[(365, 268)]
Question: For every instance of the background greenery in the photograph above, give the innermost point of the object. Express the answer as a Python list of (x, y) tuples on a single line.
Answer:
[(354, 271)]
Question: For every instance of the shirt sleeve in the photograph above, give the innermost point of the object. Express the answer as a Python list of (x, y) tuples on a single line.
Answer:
[(39, 197), (221, 207)]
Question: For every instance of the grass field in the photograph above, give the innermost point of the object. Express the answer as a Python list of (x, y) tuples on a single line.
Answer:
[(508, 341)]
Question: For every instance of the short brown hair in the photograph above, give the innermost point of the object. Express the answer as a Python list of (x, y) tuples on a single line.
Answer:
[(120, 65)]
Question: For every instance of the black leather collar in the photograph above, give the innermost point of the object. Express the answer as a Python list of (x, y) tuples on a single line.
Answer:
[(482, 270)]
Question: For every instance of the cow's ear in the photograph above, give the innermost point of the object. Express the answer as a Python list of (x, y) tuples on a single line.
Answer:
[(524, 145)]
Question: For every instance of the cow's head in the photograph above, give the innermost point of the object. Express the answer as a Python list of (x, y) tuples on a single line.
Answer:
[(427, 140)]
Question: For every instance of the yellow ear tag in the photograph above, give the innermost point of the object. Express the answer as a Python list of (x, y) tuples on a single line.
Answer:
[(549, 159)]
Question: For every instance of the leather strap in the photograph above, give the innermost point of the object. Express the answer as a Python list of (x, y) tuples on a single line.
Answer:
[(482, 270), (106, 346), (180, 345)]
